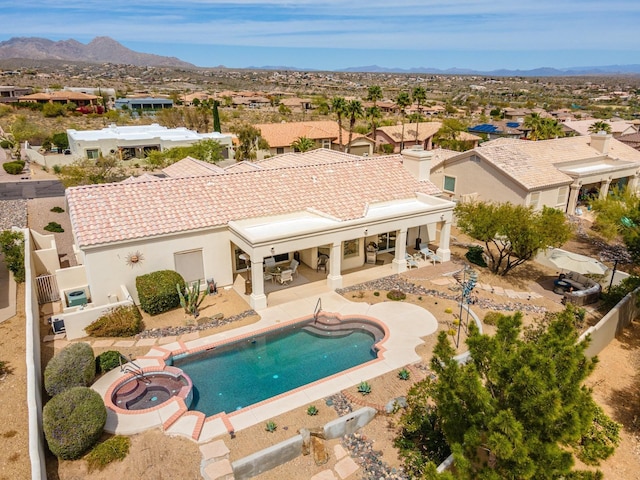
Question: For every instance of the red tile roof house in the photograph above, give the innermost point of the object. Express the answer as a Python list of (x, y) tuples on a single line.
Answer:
[(198, 225), (326, 134)]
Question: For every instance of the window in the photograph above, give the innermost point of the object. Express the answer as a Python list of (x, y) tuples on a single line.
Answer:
[(449, 184), (93, 154), (562, 195), (279, 150), (189, 265), (326, 143), (534, 199)]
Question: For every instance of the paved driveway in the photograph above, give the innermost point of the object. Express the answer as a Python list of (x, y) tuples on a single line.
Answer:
[(27, 189)]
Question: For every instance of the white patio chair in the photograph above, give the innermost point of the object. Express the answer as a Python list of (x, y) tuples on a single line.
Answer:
[(294, 266), (286, 276), (425, 251), (411, 263), (269, 263)]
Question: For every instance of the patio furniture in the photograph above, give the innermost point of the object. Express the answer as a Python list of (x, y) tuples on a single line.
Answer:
[(411, 263), (322, 263), (285, 277), (294, 266), (269, 263), (268, 276), (425, 251)]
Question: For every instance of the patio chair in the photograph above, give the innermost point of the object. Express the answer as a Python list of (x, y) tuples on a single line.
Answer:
[(322, 263), (285, 277), (294, 266), (269, 263), (411, 263)]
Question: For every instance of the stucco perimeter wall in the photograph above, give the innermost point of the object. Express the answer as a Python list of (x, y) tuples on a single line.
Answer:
[(618, 318), (287, 450), (34, 372)]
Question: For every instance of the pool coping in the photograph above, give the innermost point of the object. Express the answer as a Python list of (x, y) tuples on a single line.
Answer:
[(404, 325)]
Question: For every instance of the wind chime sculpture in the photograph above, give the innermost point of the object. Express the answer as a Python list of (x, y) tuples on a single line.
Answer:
[(467, 278)]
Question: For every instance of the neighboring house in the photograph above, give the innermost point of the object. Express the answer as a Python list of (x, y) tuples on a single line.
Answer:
[(499, 129), (61, 96), (108, 94), (618, 128), (127, 142), (297, 104), (144, 104), (325, 134), (10, 93), (393, 135), (632, 139), (297, 205), (556, 173)]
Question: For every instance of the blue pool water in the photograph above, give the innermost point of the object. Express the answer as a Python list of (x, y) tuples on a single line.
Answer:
[(240, 374)]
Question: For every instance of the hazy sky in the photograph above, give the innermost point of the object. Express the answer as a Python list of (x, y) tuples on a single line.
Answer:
[(333, 34)]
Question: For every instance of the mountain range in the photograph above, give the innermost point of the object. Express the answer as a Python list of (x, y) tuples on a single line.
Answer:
[(99, 50), (107, 50)]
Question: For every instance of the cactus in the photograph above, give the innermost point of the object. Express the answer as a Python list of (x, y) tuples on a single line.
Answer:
[(191, 298)]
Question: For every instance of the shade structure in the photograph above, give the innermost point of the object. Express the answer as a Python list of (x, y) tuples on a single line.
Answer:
[(575, 262)]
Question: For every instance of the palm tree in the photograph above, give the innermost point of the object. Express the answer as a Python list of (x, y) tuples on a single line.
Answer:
[(542, 128), (303, 144), (600, 126), (403, 101), (373, 95), (373, 113), (355, 111), (339, 107), (419, 96)]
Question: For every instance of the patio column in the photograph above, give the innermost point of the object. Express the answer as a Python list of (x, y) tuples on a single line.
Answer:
[(399, 261), (443, 250), (604, 188), (257, 299), (633, 183), (334, 279), (574, 190)]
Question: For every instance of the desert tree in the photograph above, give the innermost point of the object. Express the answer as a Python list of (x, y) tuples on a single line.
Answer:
[(403, 101), (512, 234), (374, 93), (418, 96), (250, 141), (517, 409)]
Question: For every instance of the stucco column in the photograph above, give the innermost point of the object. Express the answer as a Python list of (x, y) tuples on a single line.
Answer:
[(574, 190), (334, 279), (257, 299), (633, 183), (604, 188), (443, 250), (399, 261)]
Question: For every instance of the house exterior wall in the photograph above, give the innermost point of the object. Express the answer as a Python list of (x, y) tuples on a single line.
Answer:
[(107, 268), (481, 178)]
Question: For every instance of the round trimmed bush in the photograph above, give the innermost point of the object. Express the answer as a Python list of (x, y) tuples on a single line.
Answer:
[(107, 361), (73, 366), (396, 295), (157, 291), (13, 168), (73, 422)]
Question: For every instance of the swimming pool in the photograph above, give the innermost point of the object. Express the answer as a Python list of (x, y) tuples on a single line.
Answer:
[(243, 372)]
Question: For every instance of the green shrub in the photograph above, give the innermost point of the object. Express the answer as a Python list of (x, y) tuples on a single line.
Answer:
[(12, 246), (107, 361), (270, 426), (5, 144), (73, 366), (54, 227), (312, 411), (396, 295), (474, 255), (13, 168), (491, 318), (364, 388), (73, 422), (157, 291), (122, 321), (600, 441), (57, 169), (57, 209), (115, 448)]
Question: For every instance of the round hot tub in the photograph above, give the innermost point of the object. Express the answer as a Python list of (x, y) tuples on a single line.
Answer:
[(152, 389)]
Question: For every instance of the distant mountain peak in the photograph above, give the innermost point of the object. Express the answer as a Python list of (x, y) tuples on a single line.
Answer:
[(99, 50)]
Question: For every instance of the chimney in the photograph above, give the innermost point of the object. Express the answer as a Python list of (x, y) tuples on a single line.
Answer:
[(418, 162), (600, 141)]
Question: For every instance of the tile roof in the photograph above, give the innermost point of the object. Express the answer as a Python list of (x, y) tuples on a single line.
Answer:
[(342, 189), (582, 126), (191, 167), (425, 130), (536, 164), (145, 177), (284, 134)]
